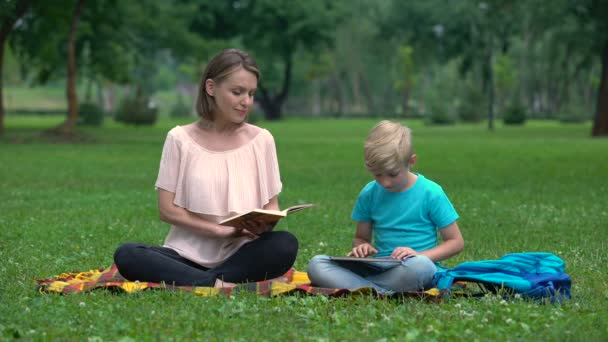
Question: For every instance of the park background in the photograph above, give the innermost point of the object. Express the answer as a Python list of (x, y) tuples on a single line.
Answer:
[(504, 97)]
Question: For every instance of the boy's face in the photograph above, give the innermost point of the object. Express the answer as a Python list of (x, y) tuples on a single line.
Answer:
[(396, 181), (393, 181)]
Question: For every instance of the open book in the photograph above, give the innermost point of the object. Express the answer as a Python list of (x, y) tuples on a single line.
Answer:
[(262, 215)]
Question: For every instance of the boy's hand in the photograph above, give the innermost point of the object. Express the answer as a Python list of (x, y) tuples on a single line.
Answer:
[(363, 250), (403, 252)]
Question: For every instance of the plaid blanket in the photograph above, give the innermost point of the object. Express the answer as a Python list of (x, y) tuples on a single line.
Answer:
[(291, 283)]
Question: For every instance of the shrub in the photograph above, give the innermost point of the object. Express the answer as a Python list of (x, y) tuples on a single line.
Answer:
[(136, 110), (473, 106), (573, 114), (440, 114), (90, 114), (180, 109), (254, 116), (514, 114)]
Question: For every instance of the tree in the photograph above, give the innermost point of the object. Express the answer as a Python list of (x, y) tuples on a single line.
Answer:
[(11, 12), (472, 32), (109, 39), (273, 31), (46, 39), (67, 127), (580, 29), (592, 16), (600, 122), (407, 80)]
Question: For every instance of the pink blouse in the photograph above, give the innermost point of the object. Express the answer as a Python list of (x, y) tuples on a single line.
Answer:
[(216, 185)]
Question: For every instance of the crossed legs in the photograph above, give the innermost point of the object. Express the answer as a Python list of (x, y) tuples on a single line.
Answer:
[(412, 274), (269, 256)]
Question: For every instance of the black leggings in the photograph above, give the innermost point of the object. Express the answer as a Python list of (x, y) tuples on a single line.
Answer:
[(269, 256)]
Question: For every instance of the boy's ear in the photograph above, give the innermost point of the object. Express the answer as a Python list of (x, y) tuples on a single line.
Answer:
[(209, 87), (413, 159)]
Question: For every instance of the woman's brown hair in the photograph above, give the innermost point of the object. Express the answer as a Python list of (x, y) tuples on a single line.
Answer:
[(218, 69)]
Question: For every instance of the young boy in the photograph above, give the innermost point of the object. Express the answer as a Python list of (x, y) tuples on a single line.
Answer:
[(403, 211)]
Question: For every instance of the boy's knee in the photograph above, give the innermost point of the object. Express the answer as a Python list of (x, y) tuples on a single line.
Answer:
[(423, 267), (316, 263), (420, 264), (319, 259), (419, 261)]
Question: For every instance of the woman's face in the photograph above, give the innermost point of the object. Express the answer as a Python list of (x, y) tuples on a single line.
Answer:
[(233, 96)]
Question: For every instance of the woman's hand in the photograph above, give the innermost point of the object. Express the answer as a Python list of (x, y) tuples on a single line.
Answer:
[(403, 252), (363, 250), (228, 231), (257, 227)]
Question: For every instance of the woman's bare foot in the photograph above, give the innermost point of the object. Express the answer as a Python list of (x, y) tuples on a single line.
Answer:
[(281, 279), (220, 284)]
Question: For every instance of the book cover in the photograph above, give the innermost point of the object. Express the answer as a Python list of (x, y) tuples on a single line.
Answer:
[(367, 259)]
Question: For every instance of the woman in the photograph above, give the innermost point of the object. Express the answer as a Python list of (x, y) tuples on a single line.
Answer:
[(212, 169)]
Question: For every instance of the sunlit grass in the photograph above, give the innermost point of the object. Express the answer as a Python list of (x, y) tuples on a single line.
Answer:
[(66, 207)]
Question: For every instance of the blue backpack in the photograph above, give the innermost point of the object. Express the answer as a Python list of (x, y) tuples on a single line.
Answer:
[(532, 275)]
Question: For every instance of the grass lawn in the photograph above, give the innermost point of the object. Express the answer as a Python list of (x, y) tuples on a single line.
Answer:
[(64, 207)]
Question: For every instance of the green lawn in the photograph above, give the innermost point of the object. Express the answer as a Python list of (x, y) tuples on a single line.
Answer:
[(64, 207), (53, 98), (31, 98)]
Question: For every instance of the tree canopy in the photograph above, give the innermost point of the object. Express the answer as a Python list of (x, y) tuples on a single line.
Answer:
[(440, 60)]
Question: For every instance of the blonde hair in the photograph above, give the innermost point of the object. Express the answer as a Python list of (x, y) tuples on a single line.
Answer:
[(218, 69), (388, 147)]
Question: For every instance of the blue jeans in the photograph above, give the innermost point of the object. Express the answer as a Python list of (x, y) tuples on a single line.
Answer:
[(412, 274)]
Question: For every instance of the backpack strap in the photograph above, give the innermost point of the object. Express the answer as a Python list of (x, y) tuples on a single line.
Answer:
[(442, 280)]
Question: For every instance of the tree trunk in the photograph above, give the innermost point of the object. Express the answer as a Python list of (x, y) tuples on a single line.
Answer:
[(272, 105), (523, 90), (89, 90), (339, 91), (369, 95), (405, 99), (488, 86), (7, 26), (3, 35), (600, 124), (316, 97), (67, 127), (356, 91)]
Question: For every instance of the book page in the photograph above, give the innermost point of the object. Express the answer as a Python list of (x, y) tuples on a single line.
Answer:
[(262, 215), (238, 221), (299, 207)]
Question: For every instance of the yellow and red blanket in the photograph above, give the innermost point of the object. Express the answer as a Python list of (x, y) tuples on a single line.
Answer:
[(292, 282)]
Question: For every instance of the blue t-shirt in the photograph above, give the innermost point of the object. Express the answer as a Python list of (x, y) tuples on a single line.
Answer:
[(404, 219)]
